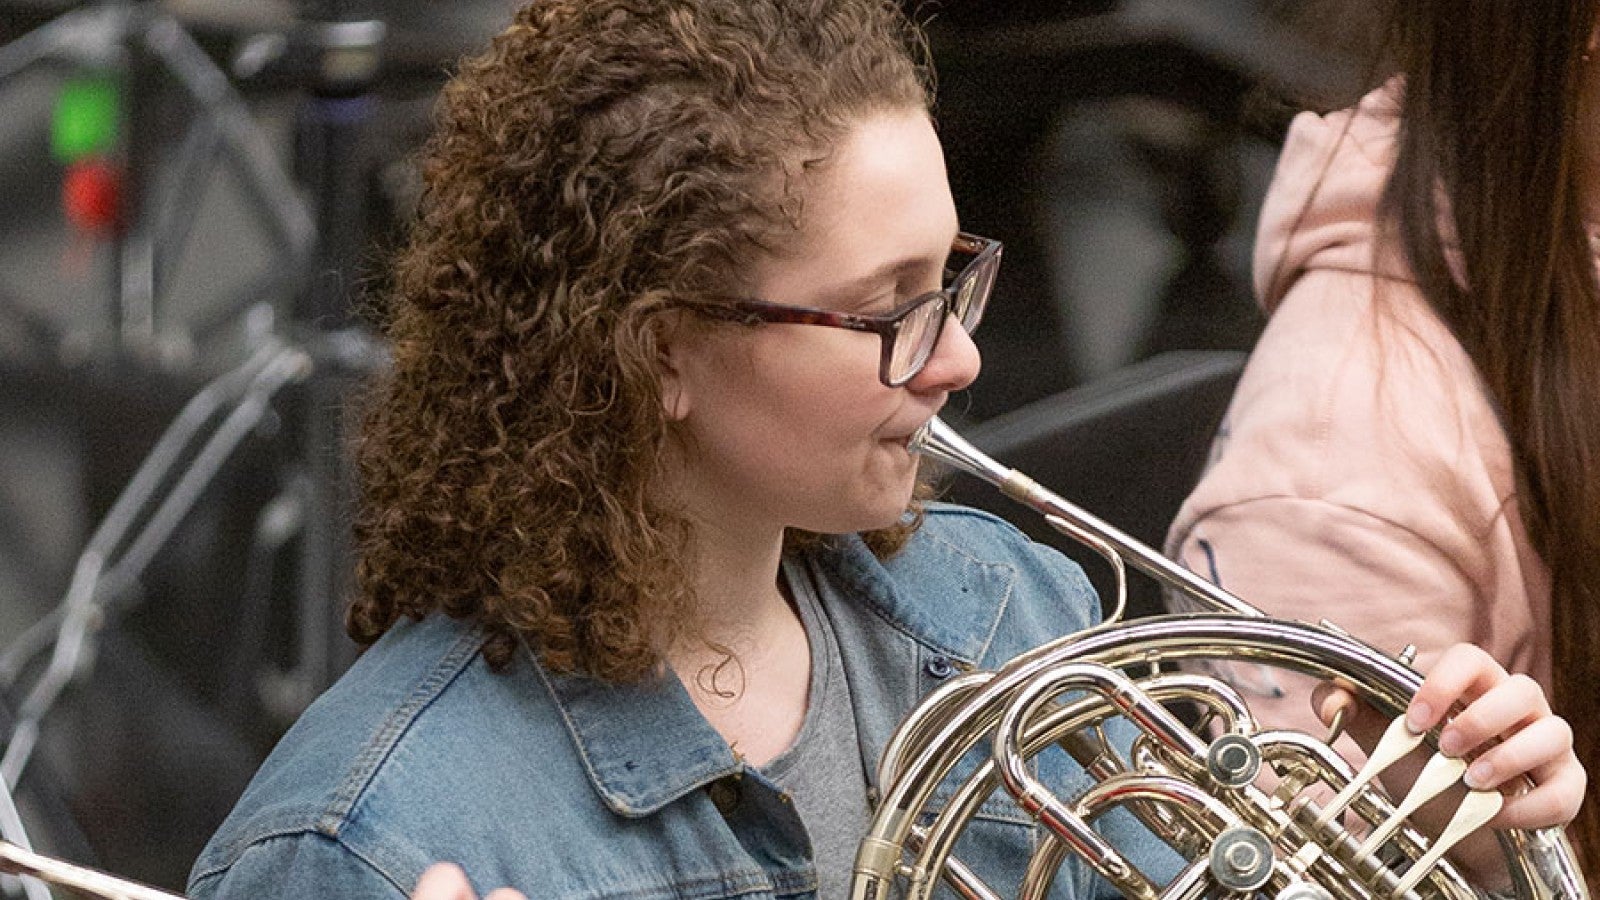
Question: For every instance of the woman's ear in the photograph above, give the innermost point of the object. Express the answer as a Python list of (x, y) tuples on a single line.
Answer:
[(673, 336)]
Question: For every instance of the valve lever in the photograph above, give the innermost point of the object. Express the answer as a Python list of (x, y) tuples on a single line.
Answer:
[(1476, 808), (1397, 741), (1440, 772)]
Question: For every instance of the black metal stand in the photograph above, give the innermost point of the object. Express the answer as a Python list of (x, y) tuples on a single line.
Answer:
[(317, 234)]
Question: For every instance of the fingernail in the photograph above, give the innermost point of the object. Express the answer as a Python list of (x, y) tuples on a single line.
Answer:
[(1418, 716), (1480, 775), (1450, 743)]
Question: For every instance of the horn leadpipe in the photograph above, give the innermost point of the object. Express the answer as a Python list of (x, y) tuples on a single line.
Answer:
[(939, 441), (15, 860)]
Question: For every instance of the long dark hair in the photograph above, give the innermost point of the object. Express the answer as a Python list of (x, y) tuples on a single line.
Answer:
[(1490, 130)]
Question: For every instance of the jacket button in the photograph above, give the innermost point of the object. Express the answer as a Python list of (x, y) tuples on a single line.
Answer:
[(724, 794), (940, 667)]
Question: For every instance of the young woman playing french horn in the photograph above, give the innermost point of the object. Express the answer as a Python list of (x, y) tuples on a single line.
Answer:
[(645, 572)]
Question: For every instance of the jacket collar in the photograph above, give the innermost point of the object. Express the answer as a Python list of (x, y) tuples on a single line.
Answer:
[(941, 591), (646, 745)]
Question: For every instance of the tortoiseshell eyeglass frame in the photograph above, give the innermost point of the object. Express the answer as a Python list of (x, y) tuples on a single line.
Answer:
[(965, 297)]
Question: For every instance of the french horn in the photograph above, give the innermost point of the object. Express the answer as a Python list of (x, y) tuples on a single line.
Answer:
[(1250, 810), (18, 860)]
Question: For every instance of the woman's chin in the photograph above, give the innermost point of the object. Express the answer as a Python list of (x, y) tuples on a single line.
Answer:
[(879, 517), (891, 514)]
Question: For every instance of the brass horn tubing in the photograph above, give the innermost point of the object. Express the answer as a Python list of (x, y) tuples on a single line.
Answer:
[(940, 441), (1042, 732), (1205, 691), (935, 753), (1546, 859), (938, 838), (17, 861), (933, 756), (1130, 790), (1336, 848), (1069, 718), (1378, 875), (925, 738), (1119, 570), (1067, 822), (1299, 646), (1279, 744), (966, 726), (961, 879), (905, 794), (1340, 846), (1541, 860), (1118, 689), (1190, 884), (912, 735)]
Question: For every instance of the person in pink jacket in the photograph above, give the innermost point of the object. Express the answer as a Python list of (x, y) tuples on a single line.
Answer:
[(1413, 451)]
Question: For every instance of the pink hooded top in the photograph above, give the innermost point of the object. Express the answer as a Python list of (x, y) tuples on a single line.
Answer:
[(1360, 474)]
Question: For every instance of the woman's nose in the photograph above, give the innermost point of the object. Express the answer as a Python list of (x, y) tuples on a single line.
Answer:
[(954, 363)]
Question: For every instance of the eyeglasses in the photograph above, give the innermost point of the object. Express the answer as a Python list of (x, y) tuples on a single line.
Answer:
[(910, 333)]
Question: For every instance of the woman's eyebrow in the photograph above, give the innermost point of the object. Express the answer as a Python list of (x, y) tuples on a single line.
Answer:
[(891, 272)]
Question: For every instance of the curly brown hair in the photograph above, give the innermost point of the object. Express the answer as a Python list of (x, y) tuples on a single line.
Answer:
[(601, 162)]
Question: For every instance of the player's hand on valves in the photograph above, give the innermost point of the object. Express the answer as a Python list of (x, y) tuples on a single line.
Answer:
[(446, 881), (1533, 740)]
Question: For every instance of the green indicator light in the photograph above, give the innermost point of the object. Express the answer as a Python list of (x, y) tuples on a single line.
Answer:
[(85, 120)]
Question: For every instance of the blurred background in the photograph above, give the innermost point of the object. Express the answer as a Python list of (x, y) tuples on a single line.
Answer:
[(199, 195)]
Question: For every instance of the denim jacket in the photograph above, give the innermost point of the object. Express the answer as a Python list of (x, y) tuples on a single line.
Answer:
[(565, 787)]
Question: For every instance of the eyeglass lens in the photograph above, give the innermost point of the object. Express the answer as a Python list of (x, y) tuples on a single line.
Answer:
[(919, 331), (970, 295), (914, 342)]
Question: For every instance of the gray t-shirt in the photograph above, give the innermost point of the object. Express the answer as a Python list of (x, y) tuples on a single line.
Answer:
[(822, 770)]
